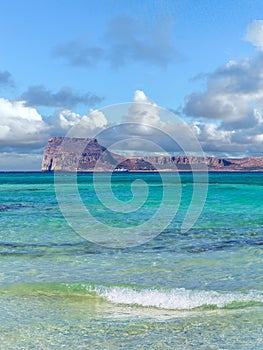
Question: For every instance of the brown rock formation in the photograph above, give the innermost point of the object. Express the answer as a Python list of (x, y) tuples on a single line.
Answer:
[(71, 154)]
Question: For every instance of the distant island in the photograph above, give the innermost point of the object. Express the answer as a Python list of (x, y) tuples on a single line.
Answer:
[(87, 155)]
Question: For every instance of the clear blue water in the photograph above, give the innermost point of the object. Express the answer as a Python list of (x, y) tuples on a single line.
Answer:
[(201, 289)]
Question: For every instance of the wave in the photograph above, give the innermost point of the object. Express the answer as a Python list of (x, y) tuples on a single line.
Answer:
[(166, 299), (177, 299)]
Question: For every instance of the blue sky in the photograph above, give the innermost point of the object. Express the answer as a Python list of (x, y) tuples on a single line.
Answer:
[(60, 59)]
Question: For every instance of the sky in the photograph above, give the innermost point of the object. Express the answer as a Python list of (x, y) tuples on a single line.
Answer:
[(63, 62)]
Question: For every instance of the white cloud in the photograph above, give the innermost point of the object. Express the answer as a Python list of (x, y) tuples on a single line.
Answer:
[(231, 94), (21, 125), (23, 130), (95, 119), (211, 132), (144, 110), (152, 128), (214, 138), (254, 33), (229, 113), (75, 125), (219, 141), (64, 120)]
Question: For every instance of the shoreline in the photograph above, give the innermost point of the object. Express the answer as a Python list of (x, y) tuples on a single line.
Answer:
[(130, 171)]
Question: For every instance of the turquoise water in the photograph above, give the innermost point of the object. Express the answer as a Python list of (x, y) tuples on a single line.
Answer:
[(201, 289)]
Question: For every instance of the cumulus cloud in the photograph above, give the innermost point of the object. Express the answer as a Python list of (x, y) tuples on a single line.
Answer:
[(229, 111), (6, 79), (147, 112), (65, 97), (126, 40), (214, 139), (144, 125), (232, 93), (148, 128), (254, 33), (144, 110), (95, 119), (21, 126), (74, 125), (65, 119)]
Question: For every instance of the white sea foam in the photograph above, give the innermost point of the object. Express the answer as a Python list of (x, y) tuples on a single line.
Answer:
[(179, 298)]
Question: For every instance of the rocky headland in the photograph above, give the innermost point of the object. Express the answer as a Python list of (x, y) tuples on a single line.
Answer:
[(87, 155)]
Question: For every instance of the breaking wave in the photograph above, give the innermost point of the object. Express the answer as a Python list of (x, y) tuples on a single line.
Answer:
[(178, 299), (167, 299)]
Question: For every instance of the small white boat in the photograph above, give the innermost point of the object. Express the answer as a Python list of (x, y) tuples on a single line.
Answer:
[(120, 170)]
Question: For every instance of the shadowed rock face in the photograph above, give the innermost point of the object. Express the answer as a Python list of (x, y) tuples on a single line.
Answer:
[(71, 154)]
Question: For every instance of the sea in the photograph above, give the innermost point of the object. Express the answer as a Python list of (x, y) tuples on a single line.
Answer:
[(68, 286)]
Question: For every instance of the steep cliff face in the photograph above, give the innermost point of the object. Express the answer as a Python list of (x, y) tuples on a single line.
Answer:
[(71, 154)]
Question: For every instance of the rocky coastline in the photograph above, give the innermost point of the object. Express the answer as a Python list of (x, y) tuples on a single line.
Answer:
[(87, 155)]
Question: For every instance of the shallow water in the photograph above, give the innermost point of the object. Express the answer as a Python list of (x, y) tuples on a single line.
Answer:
[(201, 289)]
